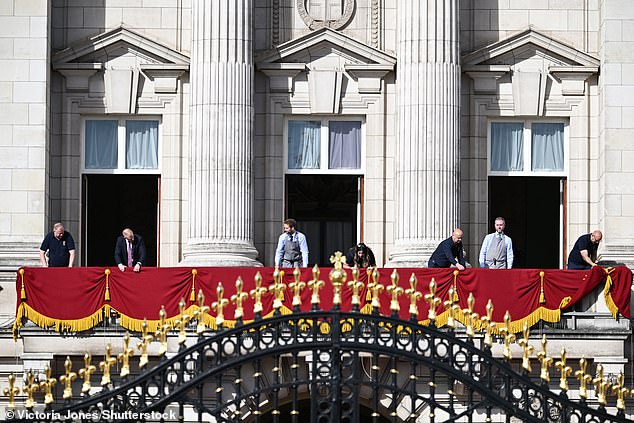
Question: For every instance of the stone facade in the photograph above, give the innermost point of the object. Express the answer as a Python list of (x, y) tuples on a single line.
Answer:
[(65, 61)]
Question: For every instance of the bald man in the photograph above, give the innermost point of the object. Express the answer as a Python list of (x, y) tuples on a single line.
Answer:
[(449, 252), (129, 251), (583, 255)]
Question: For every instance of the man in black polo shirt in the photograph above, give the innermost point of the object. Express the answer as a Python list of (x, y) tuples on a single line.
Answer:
[(449, 252), (583, 255), (60, 247)]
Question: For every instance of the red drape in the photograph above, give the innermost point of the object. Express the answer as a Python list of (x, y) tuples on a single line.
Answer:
[(74, 298)]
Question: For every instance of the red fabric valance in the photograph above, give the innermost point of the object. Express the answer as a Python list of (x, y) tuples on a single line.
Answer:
[(74, 298)]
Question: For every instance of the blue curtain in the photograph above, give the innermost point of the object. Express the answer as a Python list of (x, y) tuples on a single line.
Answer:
[(344, 147), (101, 144), (303, 144), (507, 146), (141, 144), (548, 146)]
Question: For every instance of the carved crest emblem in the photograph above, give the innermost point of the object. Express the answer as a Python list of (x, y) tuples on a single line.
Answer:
[(333, 14)]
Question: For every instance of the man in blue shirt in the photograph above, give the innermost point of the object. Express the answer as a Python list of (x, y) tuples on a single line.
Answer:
[(449, 252), (583, 255), (292, 249), (60, 247)]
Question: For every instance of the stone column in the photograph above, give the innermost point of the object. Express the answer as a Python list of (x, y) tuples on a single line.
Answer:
[(221, 135), (428, 80)]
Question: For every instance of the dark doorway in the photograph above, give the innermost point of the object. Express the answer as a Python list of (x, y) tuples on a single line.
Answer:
[(115, 202), (531, 207), (325, 208)]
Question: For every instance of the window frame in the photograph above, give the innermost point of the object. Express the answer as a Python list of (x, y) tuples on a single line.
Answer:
[(528, 147), (121, 146), (323, 148)]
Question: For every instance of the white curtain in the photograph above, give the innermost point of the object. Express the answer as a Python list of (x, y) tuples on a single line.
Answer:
[(141, 144), (548, 146), (303, 144), (344, 148), (100, 144), (507, 146)]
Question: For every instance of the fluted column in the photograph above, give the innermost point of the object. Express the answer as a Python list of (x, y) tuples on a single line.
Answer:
[(428, 80), (221, 134)]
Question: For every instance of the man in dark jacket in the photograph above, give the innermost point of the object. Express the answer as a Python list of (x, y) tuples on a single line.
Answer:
[(449, 252), (129, 250)]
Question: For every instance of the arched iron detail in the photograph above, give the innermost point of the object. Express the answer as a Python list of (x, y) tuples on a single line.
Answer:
[(335, 361)]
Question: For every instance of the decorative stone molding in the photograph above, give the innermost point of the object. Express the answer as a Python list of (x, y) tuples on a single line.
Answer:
[(165, 76), (313, 24), (485, 77), (77, 74), (375, 24), (369, 76), (281, 75), (529, 92), (324, 88), (573, 78)]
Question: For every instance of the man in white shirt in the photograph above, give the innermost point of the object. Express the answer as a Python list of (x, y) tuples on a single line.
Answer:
[(497, 248)]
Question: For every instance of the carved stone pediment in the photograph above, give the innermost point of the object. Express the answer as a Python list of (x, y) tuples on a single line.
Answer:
[(531, 62), (121, 55)]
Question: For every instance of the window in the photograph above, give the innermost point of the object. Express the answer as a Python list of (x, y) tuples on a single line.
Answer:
[(126, 145), (530, 147), (324, 146)]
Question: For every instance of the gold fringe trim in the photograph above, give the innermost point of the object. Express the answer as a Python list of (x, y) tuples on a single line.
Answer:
[(136, 325), (607, 293), (45, 322)]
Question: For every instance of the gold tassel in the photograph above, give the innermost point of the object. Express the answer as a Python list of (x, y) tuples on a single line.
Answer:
[(455, 286), (107, 294), (192, 295), (22, 290), (542, 297)]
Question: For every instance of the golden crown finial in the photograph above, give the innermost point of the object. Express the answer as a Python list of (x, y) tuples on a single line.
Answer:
[(433, 301), (564, 370), (67, 379), (489, 325), (85, 373), (161, 332), (509, 337), (620, 390), (470, 316), (182, 322), (601, 386), (315, 285), (219, 306), (257, 293), (376, 288), (337, 277), (124, 356), (278, 289), (297, 286), (146, 339), (414, 296), (395, 291), (355, 285), (47, 386), (29, 389), (200, 314), (527, 348), (11, 391), (545, 360), (105, 365), (238, 298), (584, 377)]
